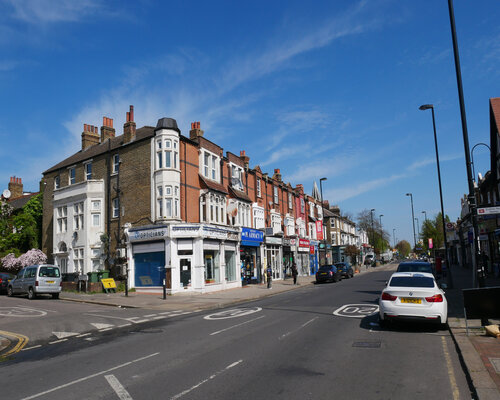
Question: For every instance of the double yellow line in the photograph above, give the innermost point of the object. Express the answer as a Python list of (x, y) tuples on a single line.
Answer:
[(21, 342)]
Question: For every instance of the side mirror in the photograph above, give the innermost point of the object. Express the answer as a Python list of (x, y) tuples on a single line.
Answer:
[(386, 282), (443, 286)]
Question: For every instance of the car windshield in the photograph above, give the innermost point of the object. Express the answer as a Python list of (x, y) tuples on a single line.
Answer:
[(49, 272), (412, 281)]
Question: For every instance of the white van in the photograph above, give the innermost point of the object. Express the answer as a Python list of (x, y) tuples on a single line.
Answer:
[(35, 280)]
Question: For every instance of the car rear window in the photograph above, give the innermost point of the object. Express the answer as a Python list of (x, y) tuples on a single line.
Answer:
[(415, 268), (339, 265), (412, 281), (49, 272), (325, 268)]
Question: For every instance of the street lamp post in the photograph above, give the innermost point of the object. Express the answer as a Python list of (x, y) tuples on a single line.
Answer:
[(322, 208), (373, 232), (448, 266), (413, 220), (472, 199), (394, 236), (418, 228), (425, 214)]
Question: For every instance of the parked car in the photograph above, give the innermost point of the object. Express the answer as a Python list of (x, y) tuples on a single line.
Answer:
[(35, 280), (328, 273), (413, 296), (415, 266), (5, 278), (345, 269)]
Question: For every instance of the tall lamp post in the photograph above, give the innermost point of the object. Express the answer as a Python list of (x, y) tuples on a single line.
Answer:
[(448, 266), (472, 198), (418, 228), (322, 207), (394, 236), (373, 232), (425, 214), (413, 220)]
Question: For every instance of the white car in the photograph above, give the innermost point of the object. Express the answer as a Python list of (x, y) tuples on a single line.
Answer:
[(413, 296)]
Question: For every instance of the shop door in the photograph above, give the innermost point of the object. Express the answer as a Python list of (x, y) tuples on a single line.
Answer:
[(149, 269), (185, 265)]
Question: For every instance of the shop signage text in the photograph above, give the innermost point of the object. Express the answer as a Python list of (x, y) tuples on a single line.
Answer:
[(149, 234), (252, 235)]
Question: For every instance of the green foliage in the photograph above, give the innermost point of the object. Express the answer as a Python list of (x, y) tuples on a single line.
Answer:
[(433, 228), (21, 230), (404, 248)]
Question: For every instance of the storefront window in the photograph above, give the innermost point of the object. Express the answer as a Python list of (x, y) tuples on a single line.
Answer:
[(212, 271), (230, 266)]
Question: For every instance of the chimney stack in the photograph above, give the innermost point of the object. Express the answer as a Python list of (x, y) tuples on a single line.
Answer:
[(245, 159), (107, 130), (129, 128), (90, 136), (15, 187), (277, 175), (195, 131)]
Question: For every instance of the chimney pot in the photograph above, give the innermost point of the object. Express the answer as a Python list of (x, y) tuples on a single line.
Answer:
[(111, 122), (131, 112), (128, 116)]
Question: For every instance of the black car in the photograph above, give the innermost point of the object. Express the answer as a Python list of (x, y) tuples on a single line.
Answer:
[(345, 269), (415, 266), (328, 273), (5, 277)]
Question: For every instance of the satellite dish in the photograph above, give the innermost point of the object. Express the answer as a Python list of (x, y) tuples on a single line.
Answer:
[(6, 194)]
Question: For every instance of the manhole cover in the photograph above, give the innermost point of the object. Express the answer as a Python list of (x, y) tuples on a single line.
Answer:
[(496, 364), (369, 345)]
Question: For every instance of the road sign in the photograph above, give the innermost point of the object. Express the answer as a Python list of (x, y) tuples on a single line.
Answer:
[(450, 226)]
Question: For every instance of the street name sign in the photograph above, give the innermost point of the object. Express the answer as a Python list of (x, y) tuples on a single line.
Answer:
[(488, 210)]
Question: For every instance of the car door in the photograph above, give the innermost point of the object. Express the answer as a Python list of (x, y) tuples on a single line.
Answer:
[(17, 283)]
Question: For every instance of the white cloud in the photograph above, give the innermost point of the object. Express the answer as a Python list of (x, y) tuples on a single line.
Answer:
[(50, 11)]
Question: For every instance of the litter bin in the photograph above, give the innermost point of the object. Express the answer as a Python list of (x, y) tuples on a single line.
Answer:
[(102, 275), (93, 277)]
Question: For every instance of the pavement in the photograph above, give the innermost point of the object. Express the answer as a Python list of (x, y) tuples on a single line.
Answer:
[(480, 353)]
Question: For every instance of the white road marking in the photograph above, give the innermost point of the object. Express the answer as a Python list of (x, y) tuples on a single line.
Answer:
[(356, 310), (234, 326), (105, 329), (32, 347), (160, 317), (205, 380), (88, 377), (170, 312), (120, 391), (299, 328), (233, 313), (58, 341), (149, 315), (62, 335), (21, 312), (85, 334), (121, 326), (101, 326)]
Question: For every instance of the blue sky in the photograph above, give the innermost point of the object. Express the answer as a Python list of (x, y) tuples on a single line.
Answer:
[(314, 88)]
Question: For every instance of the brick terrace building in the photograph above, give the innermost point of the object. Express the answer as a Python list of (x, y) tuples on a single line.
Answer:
[(165, 206)]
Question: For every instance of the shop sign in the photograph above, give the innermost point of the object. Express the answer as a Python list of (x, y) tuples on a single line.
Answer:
[(185, 231), (252, 235), (148, 234), (488, 210), (289, 242), (319, 230), (311, 249), (303, 243), (212, 232), (483, 237), (431, 245), (274, 240)]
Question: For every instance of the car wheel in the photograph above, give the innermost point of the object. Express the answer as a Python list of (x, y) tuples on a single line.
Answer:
[(31, 293), (55, 295), (9, 291), (352, 274)]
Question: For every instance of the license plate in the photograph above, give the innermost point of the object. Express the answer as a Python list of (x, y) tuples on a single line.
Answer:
[(50, 281), (411, 300)]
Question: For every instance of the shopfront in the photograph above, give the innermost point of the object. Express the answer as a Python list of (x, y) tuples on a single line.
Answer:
[(250, 256), (303, 257), (325, 253), (289, 254), (190, 257), (274, 255), (313, 256)]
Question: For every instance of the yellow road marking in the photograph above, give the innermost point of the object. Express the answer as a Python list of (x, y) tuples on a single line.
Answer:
[(451, 375), (21, 342)]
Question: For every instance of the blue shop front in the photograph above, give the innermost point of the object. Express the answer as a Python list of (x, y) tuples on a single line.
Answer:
[(251, 255)]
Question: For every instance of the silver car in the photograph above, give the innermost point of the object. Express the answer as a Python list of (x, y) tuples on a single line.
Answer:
[(35, 280)]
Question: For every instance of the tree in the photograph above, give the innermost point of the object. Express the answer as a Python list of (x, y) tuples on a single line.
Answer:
[(404, 248), (352, 252), (433, 228), (31, 257), (377, 237), (21, 230)]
